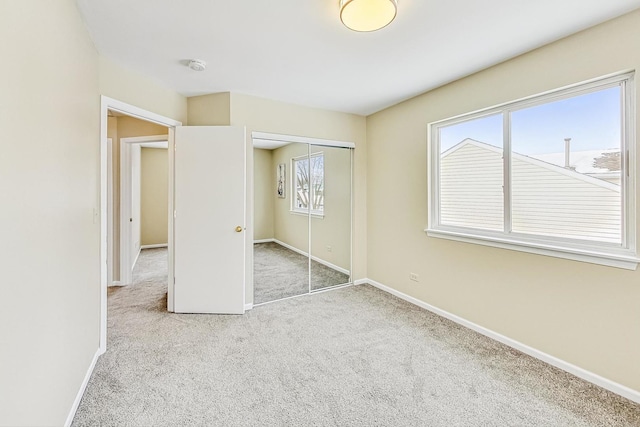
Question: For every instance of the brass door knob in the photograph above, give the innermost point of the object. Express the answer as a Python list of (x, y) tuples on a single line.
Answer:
[(238, 229)]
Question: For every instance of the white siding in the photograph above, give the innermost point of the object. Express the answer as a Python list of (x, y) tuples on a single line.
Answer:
[(551, 203), (471, 188), (544, 201)]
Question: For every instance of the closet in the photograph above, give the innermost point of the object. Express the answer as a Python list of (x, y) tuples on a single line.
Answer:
[(302, 215)]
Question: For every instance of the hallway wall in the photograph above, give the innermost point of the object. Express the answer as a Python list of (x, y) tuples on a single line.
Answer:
[(155, 197)]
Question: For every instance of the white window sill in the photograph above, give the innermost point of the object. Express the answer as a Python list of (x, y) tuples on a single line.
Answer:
[(628, 262), (305, 213)]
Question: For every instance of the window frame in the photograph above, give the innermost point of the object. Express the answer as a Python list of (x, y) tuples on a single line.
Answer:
[(294, 177), (622, 255)]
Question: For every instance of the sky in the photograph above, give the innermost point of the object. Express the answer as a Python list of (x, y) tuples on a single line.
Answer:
[(592, 121)]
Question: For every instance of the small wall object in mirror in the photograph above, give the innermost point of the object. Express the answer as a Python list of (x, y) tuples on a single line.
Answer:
[(281, 180)]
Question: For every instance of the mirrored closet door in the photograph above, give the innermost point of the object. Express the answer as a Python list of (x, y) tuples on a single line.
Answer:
[(330, 217), (302, 217)]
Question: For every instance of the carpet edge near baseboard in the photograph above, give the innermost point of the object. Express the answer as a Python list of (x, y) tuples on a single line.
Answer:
[(83, 388), (591, 377)]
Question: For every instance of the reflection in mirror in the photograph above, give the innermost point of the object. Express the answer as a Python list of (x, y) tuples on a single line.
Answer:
[(330, 192), (281, 223)]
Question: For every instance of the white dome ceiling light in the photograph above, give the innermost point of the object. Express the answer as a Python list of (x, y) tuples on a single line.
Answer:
[(367, 15), (197, 65)]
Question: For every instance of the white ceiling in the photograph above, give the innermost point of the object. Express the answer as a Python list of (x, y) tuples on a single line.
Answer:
[(298, 51), (269, 144)]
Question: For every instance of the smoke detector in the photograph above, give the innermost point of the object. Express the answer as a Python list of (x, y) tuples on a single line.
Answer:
[(197, 65)]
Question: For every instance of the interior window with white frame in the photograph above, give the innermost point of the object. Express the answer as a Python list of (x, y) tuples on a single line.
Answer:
[(551, 174), (308, 184)]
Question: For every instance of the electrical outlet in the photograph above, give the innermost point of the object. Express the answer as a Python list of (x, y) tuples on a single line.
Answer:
[(329, 248), (414, 277)]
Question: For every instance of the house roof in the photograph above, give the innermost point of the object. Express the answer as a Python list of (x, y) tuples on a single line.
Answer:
[(587, 177)]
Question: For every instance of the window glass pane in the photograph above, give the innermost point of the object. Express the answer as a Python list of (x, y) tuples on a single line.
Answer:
[(471, 176), (302, 184), (309, 183), (317, 183), (566, 168)]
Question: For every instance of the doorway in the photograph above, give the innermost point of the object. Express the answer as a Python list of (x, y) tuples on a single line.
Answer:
[(144, 194), (110, 200), (206, 215)]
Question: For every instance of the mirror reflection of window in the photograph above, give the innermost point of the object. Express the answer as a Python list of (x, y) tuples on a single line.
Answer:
[(309, 183)]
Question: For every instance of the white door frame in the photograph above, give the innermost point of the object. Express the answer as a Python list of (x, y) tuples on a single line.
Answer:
[(126, 239), (106, 104), (109, 213)]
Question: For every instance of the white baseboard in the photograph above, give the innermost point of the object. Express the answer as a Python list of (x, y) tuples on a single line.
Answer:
[(361, 281), (596, 379), (159, 245), (248, 306), (316, 259), (264, 241), (83, 387), (116, 283)]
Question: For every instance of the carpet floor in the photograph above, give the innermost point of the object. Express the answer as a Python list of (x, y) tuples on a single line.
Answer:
[(279, 273), (355, 356)]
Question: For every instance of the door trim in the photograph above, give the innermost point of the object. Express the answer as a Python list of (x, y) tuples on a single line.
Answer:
[(266, 136), (106, 104), (106, 172)]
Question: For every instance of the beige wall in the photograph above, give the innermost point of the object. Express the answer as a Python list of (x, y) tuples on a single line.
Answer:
[(126, 85), (264, 178), (154, 196), (289, 228), (582, 313), (49, 181), (210, 110)]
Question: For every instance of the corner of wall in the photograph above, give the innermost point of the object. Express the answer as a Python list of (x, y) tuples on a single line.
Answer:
[(132, 87)]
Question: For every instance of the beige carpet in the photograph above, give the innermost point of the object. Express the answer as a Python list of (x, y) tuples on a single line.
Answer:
[(354, 356)]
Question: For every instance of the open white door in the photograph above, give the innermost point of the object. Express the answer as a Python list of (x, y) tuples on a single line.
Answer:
[(210, 185)]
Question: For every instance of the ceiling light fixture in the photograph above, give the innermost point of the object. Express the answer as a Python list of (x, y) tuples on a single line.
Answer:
[(197, 65), (367, 15)]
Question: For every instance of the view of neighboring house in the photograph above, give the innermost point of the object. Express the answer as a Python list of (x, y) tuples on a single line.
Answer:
[(547, 197)]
